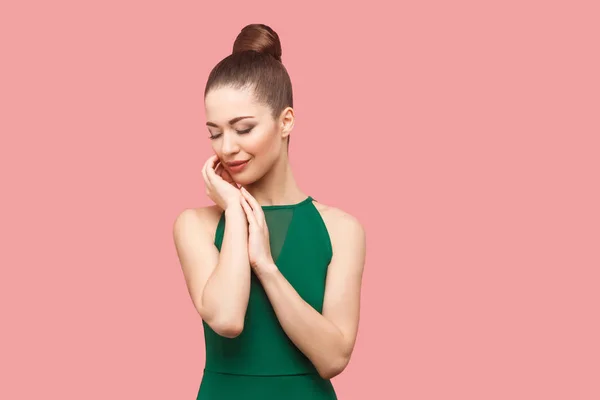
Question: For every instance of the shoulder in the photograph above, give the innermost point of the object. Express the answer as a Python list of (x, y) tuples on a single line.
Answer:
[(337, 219), (344, 228), (197, 221)]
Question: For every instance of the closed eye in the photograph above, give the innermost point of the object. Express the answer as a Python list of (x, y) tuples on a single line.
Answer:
[(212, 137)]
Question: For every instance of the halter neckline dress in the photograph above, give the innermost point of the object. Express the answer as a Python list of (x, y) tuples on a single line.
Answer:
[(262, 363)]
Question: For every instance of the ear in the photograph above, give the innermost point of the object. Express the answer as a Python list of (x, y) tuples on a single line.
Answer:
[(286, 121)]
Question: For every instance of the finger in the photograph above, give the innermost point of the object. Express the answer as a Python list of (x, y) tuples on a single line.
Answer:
[(222, 172), (210, 161), (248, 210), (251, 200), (210, 168), (258, 211), (227, 176), (204, 168), (204, 172)]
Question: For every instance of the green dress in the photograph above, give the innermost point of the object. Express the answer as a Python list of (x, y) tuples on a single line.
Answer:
[(262, 363)]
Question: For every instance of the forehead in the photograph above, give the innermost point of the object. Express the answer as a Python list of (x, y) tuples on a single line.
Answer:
[(225, 103)]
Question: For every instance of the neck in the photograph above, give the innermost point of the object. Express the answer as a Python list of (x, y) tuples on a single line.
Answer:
[(277, 186)]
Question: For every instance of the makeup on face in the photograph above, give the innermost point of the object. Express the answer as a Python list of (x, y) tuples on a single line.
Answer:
[(237, 168), (231, 123)]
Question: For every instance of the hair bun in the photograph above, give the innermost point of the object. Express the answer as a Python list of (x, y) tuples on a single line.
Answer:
[(260, 38)]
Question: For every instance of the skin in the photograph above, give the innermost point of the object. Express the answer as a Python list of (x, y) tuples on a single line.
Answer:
[(219, 283)]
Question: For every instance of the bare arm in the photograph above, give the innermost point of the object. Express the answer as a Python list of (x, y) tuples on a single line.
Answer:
[(218, 283), (327, 339)]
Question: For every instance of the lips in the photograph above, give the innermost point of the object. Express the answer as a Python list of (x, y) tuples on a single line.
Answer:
[(235, 163), (237, 166)]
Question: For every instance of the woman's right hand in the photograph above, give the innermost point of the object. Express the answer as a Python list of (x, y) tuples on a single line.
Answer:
[(220, 186)]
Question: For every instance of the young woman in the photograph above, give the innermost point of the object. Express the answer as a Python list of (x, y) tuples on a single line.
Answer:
[(274, 274)]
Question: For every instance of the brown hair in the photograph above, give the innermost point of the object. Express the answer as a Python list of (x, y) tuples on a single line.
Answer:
[(256, 63)]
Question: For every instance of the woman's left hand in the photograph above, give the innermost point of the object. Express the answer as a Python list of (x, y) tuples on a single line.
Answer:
[(259, 249)]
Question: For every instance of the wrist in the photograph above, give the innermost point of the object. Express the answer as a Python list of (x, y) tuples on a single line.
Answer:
[(237, 216), (234, 209), (266, 271)]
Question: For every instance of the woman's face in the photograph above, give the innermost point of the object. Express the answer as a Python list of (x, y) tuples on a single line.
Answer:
[(258, 139)]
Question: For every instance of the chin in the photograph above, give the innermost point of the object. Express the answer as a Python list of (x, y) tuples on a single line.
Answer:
[(244, 178), (247, 177)]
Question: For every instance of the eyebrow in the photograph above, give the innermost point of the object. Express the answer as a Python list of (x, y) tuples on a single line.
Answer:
[(231, 122)]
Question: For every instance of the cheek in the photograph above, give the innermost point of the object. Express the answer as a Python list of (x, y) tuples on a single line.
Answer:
[(216, 149), (263, 146)]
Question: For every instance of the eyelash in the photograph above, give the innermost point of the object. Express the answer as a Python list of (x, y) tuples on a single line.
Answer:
[(212, 137)]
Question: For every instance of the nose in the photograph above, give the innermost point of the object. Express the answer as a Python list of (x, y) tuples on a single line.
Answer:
[(229, 145)]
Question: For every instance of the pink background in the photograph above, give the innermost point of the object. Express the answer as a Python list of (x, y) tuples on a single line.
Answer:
[(464, 135)]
